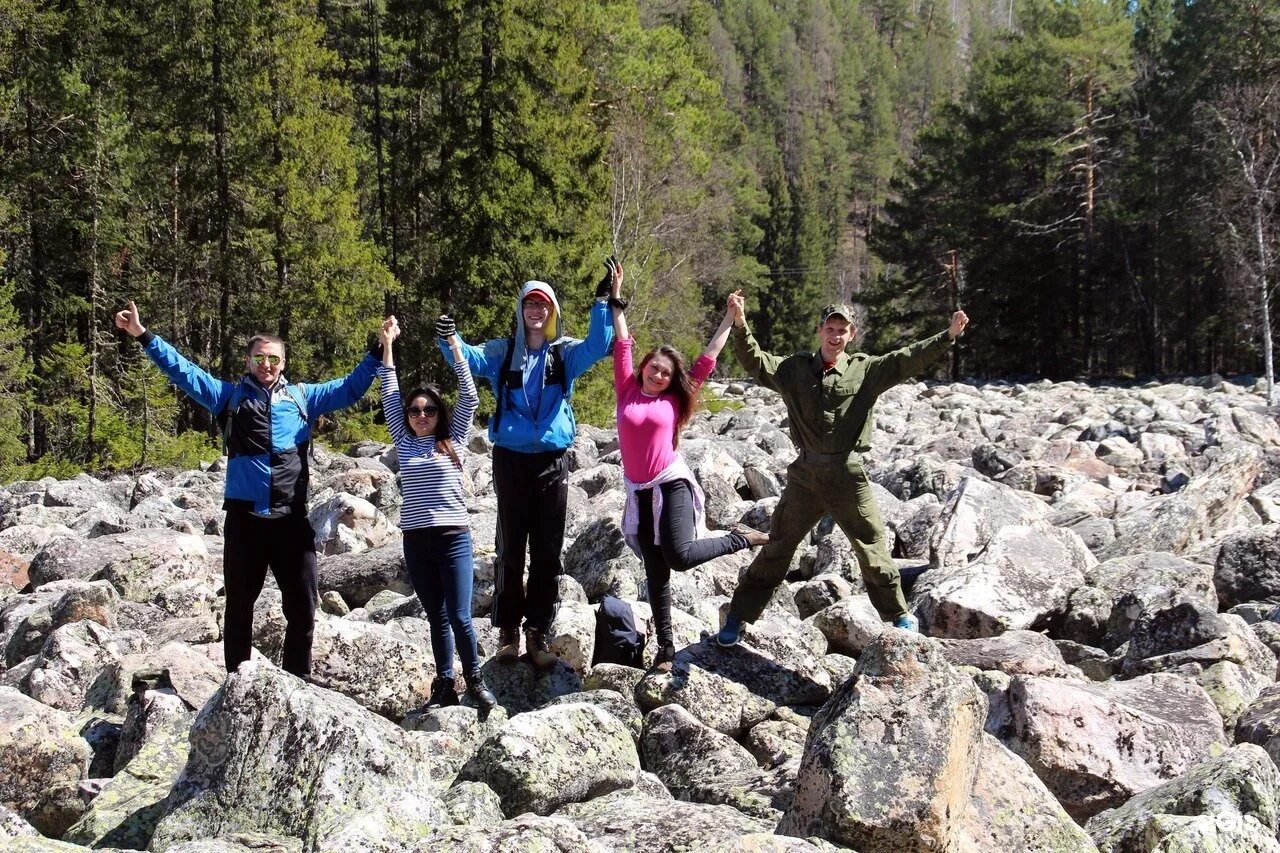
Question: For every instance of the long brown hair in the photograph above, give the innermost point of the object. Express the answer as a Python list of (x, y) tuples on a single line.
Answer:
[(444, 444), (681, 387)]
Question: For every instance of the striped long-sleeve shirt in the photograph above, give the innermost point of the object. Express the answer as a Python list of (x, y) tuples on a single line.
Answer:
[(429, 482)]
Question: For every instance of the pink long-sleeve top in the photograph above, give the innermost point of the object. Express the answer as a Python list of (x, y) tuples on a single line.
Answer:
[(646, 425)]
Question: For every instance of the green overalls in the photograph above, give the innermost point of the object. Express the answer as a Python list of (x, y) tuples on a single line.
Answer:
[(831, 423)]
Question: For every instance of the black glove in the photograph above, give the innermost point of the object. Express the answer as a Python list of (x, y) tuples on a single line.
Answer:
[(445, 327), (605, 287), (375, 347)]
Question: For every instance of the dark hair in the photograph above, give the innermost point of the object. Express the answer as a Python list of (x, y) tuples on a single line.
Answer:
[(443, 442), (681, 387), (263, 338)]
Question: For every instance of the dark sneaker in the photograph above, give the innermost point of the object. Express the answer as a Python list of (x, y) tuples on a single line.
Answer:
[(907, 622), (731, 633), (443, 694), (540, 654), (479, 693), (508, 645)]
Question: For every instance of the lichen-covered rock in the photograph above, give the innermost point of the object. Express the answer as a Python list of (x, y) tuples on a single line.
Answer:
[(878, 778), (69, 663), (1240, 783), (572, 635), (1013, 652), (544, 759), (40, 750), (1259, 723), (347, 524), (622, 707), (13, 826), (376, 665), (1232, 689), (1097, 744), (271, 754), (191, 673), (152, 753), (600, 560), (698, 764), (973, 513), (1174, 631), (1247, 567), (658, 826), (1005, 587), (358, 576), (385, 828), (849, 625), (759, 842), (1096, 616), (1178, 522), (521, 686), (473, 804), (527, 832), (140, 562), (1011, 809)]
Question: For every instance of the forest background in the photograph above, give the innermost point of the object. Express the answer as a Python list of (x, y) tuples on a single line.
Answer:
[(1095, 182)]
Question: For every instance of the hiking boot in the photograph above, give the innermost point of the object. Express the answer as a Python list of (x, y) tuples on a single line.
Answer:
[(508, 645), (479, 693), (664, 659), (907, 622), (443, 693), (540, 655), (731, 633)]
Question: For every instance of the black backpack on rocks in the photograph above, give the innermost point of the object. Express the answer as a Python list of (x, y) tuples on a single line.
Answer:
[(618, 640)]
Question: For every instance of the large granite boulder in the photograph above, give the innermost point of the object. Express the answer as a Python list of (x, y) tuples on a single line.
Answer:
[(1241, 783), (359, 575), (973, 513), (624, 824), (41, 757), (876, 779), (1006, 587), (1095, 745), (271, 754), (543, 760), (1203, 508)]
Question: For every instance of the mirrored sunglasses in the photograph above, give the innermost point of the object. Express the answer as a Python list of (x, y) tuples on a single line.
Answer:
[(261, 359)]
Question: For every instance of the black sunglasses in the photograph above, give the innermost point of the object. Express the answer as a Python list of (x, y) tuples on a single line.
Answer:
[(424, 412)]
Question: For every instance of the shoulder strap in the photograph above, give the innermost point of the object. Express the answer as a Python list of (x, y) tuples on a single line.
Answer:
[(504, 383), (227, 416), (555, 368), (295, 391)]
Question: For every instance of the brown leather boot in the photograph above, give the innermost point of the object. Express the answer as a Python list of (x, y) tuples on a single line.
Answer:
[(540, 654), (508, 645)]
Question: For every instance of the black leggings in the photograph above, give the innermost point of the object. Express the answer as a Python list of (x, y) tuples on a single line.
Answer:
[(680, 550)]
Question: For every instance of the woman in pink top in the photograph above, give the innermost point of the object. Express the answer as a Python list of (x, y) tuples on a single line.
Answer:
[(654, 404)]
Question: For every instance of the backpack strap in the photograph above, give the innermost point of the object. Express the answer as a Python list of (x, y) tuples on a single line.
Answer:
[(510, 379), (227, 416)]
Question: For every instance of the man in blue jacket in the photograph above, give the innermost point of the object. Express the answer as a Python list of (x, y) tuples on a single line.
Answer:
[(532, 375), (268, 434)]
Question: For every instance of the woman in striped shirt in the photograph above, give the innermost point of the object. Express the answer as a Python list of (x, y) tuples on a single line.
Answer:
[(433, 515)]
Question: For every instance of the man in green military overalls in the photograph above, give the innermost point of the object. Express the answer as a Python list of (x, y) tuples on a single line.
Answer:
[(830, 399)]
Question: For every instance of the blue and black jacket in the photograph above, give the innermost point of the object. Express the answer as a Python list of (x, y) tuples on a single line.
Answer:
[(269, 434)]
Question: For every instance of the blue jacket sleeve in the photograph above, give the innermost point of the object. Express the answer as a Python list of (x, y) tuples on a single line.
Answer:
[(580, 355), (340, 393), (193, 380), (483, 361)]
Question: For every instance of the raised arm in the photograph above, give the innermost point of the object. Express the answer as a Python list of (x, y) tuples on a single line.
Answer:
[(721, 336), (392, 406), (762, 366), (897, 366), (468, 398), (623, 366), (190, 378), (580, 355), (339, 393)]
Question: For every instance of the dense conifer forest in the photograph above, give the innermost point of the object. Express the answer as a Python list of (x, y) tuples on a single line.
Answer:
[(1095, 182)]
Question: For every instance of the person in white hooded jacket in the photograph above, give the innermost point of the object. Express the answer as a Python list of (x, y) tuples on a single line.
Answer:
[(532, 375)]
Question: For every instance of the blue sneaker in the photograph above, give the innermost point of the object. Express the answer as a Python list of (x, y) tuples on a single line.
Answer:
[(907, 622), (731, 632)]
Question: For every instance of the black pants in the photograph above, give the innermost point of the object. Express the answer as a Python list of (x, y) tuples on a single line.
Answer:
[(287, 546), (679, 549), (533, 497)]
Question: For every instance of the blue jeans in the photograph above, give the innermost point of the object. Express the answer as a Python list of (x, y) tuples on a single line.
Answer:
[(440, 569)]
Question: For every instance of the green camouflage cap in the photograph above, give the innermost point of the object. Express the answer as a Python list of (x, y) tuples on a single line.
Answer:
[(840, 308)]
